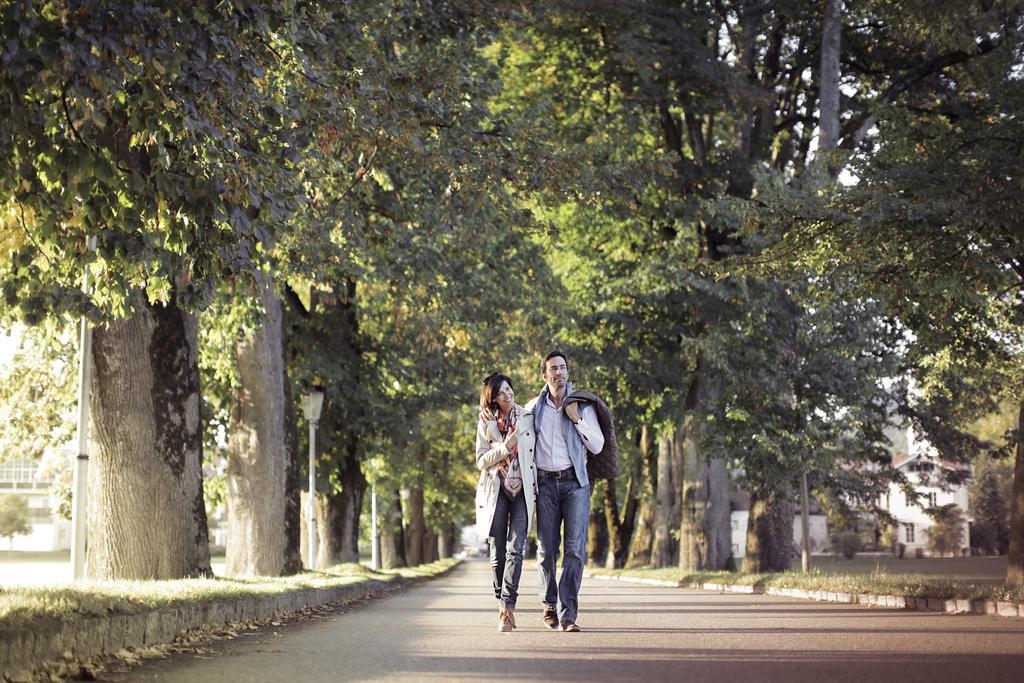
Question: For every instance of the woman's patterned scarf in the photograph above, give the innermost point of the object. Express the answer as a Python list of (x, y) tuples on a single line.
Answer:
[(511, 475)]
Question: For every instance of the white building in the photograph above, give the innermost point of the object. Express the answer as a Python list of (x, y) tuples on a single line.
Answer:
[(923, 468), (49, 532)]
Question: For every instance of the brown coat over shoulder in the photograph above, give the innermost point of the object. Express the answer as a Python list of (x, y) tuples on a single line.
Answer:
[(603, 465)]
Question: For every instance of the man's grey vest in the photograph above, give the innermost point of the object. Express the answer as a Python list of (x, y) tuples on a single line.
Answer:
[(577, 451)]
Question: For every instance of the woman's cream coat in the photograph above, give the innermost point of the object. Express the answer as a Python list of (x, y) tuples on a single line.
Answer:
[(491, 452)]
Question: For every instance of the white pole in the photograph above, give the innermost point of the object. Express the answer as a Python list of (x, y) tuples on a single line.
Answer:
[(805, 526), (374, 545), (311, 507), (80, 481)]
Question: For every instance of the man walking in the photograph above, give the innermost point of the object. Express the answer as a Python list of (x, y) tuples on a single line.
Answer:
[(563, 435)]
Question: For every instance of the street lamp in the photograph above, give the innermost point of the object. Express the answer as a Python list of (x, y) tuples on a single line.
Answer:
[(374, 541), (80, 481), (312, 403)]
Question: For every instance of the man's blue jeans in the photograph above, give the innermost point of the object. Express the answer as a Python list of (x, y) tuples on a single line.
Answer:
[(508, 539), (562, 501)]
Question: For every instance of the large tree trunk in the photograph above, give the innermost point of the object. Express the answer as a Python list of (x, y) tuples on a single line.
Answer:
[(597, 528), (446, 542), (769, 534), (147, 518), (430, 549), (641, 543), (718, 517), (257, 467), (392, 533), (293, 481), (1015, 555), (705, 526), (693, 550), (620, 530), (416, 531), (661, 554), (338, 513)]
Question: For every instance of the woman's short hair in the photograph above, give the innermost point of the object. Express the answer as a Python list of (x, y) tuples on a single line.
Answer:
[(491, 387)]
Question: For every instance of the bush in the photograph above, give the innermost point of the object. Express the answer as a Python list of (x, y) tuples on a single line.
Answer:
[(947, 534), (846, 543), (889, 538), (984, 538)]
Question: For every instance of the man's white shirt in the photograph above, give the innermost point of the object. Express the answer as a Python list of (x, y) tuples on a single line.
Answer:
[(552, 452)]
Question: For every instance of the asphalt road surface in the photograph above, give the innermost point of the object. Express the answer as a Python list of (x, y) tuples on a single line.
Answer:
[(446, 629)]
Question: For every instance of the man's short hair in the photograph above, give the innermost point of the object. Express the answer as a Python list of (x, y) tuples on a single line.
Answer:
[(552, 354)]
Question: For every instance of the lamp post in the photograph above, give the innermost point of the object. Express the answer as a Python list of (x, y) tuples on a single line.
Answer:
[(80, 479), (374, 542), (312, 403)]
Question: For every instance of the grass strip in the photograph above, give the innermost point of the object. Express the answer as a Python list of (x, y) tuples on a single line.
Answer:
[(876, 583), (25, 607)]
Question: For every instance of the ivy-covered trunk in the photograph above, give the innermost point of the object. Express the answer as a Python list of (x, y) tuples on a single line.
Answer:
[(258, 453), (338, 514), (392, 533), (147, 518), (1015, 556), (769, 534), (642, 540)]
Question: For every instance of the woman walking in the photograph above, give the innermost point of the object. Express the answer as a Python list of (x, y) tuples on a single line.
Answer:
[(507, 490)]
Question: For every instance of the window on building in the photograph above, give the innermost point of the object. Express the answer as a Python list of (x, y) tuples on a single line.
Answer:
[(21, 474), (735, 525), (908, 532), (39, 515), (932, 499)]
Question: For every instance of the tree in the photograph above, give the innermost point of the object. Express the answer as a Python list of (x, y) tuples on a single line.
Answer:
[(37, 395), (927, 229), (260, 452), (176, 155), (13, 517), (988, 501), (947, 534), (679, 110)]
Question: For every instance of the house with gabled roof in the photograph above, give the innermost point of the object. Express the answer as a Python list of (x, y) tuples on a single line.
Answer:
[(919, 461)]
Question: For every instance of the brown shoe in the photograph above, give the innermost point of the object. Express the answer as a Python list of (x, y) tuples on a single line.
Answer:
[(550, 617), (570, 627), (506, 622)]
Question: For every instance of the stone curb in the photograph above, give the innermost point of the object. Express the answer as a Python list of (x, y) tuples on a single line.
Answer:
[(951, 606), (21, 652)]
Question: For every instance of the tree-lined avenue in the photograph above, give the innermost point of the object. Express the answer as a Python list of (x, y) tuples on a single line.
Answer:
[(446, 630)]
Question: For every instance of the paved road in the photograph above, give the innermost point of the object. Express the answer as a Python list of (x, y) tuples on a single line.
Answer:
[(446, 630)]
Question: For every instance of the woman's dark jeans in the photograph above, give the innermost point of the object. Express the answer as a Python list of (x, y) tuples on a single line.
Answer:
[(508, 538)]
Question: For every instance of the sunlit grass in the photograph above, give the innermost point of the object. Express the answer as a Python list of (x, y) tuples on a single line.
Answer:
[(22, 607), (876, 583)]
